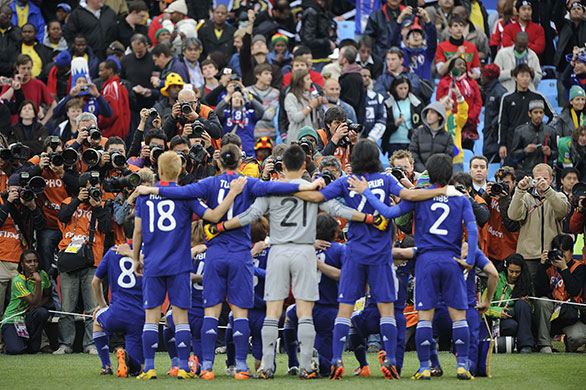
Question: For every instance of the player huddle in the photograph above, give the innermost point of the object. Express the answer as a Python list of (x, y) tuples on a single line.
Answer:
[(167, 263)]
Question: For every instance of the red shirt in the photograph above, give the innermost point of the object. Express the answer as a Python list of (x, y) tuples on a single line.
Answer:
[(316, 77), (35, 91), (446, 50), (535, 32)]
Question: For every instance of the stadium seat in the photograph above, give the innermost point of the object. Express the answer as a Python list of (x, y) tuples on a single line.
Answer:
[(346, 29), (492, 168), (278, 140), (468, 154), (549, 89)]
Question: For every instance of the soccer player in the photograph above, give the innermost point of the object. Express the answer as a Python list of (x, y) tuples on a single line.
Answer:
[(367, 254), (125, 313), (165, 225), (291, 260), (438, 236), (229, 267)]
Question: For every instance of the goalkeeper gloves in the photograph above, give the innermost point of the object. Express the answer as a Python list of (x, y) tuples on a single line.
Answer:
[(211, 231), (377, 221)]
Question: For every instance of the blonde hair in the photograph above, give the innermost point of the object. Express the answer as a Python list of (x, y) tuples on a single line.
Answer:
[(146, 176), (169, 166), (240, 33), (197, 233), (543, 167)]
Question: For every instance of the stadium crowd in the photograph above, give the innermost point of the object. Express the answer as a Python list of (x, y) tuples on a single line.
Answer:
[(95, 91)]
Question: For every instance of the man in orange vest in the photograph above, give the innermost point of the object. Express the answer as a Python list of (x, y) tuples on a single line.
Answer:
[(337, 138)]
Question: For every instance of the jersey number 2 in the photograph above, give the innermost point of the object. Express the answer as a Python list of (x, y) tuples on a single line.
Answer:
[(435, 228)]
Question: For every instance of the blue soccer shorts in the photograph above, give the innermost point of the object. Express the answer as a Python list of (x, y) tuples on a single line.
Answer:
[(354, 276), (114, 319), (177, 287)]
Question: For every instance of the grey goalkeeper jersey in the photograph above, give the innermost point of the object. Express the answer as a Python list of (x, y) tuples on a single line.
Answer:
[(292, 220)]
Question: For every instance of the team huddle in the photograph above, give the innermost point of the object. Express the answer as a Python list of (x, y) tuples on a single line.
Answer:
[(169, 259)]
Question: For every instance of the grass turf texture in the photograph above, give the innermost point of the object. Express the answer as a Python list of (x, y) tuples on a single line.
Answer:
[(536, 371)]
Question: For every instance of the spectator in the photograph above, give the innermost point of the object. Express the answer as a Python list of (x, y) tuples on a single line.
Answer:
[(352, 89), (503, 233), (514, 317), (269, 97), (455, 122), (32, 89), (137, 68), (418, 56), (283, 17), (318, 30), (572, 151), (179, 25), (380, 25), (81, 216), (167, 63), (80, 48), (25, 11), (117, 96), (534, 142), (506, 12), (234, 62), (509, 57), (470, 33), (559, 277), (65, 129), (524, 23), (431, 137), (190, 54), (131, 23), (303, 59), (367, 59), (53, 38), (62, 12), (403, 116), (332, 98), (239, 115), (457, 46), (492, 92), (572, 32), (39, 54), (9, 41), (468, 87), (59, 76), (575, 72), (30, 292), (28, 131), (514, 105), (263, 148), (540, 210), (375, 110), (216, 34), (280, 56), (156, 22), (95, 21), (479, 171), (173, 85), (572, 116), (440, 14), (118, 6), (209, 71), (8, 108), (300, 106), (394, 68)]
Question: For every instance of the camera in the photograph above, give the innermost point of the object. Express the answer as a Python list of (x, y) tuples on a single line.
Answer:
[(153, 113), (499, 186), (197, 129), (30, 186), (307, 146), (237, 88), (182, 156), (16, 151), (117, 159), (277, 165), (185, 108), (553, 255), (85, 88), (118, 184), (398, 172), (533, 182), (462, 188), (156, 150), (94, 133), (95, 193), (328, 176), (345, 141), (198, 153), (91, 157), (579, 190)]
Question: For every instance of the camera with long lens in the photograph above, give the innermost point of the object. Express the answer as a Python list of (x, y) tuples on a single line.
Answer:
[(15, 151), (398, 172), (118, 184), (91, 157), (117, 159), (237, 88), (182, 156), (198, 153), (499, 186), (357, 128), (95, 193), (328, 176), (307, 146), (30, 187), (578, 191), (185, 108), (553, 255), (156, 150), (94, 133)]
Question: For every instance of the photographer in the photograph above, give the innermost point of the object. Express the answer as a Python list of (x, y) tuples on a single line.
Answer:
[(181, 145), (561, 278), (540, 210), (156, 139), (146, 115), (503, 233), (463, 183), (123, 207), (88, 136), (188, 109), (337, 136), (19, 218), (239, 114), (85, 221)]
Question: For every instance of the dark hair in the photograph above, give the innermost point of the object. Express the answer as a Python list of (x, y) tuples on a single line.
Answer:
[(523, 284), (456, 19), (139, 38), (452, 63), (259, 230), (179, 140), (29, 24), (366, 41), (84, 178), (365, 158), (335, 113), (265, 67), (209, 62), (301, 50), (20, 269), (188, 42), (161, 48), (80, 36), (293, 158), (461, 178), (22, 59), (567, 171), (112, 65), (75, 102), (231, 139), (395, 50), (114, 141), (297, 85), (439, 168), (230, 157), (219, 58), (395, 83), (155, 133), (326, 227), (563, 242), (137, 6), (128, 226), (348, 42), (479, 157), (48, 141), (26, 103), (522, 68), (576, 133)]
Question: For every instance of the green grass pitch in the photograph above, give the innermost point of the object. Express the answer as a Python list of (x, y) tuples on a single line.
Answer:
[(80, 371)]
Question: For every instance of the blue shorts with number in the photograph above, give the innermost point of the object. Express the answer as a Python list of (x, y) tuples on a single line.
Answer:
[(178, 287), (228, 275), (438, 277), (353, 279), (114, 319)]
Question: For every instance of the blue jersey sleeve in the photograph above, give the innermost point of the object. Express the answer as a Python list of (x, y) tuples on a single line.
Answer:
[(335, 189), (138, 205), (393, 185), (388, 211), (190, 191), (261, 273), (102, 270), (263, 188), (480, 260), (470, 222), (198, 207)]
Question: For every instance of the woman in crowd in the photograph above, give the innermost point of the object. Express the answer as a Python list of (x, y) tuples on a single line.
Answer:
[(53, 38), (300, 105), (28, 130), (572, 116)]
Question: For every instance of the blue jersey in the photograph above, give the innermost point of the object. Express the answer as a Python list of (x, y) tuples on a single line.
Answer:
[(480, 261), (214, 189), (404, 272), (166, 232), (328, 288), (366, 244), (197, 288), (260, 266), (125, 285), (244, 122)]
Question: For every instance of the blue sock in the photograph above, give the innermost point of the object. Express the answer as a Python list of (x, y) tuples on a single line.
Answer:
[(183, 343), (423, 340), (341, 328), (461, 337), (169, 338), (230, 352), (209, 334), (359, 347), (433, 356), (102, 342), (290, 338), (241, 334), (388, 331), (150, 343)]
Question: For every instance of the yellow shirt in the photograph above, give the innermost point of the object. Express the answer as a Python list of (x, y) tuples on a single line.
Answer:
[(218, 33), (22, 15), (37, 62), (476, 16)]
